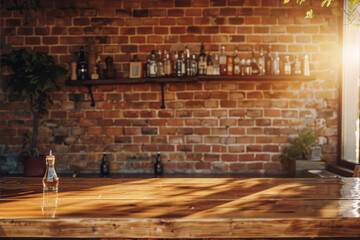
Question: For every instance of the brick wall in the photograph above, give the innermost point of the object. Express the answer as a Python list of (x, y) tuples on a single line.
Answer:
[(223, 126)]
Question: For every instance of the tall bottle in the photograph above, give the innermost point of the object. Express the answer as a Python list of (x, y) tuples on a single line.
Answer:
[(216, 67), (287, 66), (50, 180), (248, 68), (210, 65), (104, 167), (297, 66), (223, 59), (178, 65), (261, 62), (202, 61), (229, 65), (306, 66), (167, 64), (82, 66), (158, 166), (147, 67), (182, 58), (194, 65), (188, 69), (255, 70), (160, 65), (243, 67), (269, 63), (237, 69), (153, 65), (276, 64)]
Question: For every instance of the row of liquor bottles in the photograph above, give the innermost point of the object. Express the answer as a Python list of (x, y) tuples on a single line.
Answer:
[(182, 63)]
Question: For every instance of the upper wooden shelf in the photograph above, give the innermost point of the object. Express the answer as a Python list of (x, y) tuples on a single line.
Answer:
[(187, 79)]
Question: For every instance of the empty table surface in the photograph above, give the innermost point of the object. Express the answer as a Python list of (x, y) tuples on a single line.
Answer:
[(181, 208)]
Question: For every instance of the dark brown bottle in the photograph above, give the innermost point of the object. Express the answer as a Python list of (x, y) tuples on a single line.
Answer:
[(105, 166), (158, 166)]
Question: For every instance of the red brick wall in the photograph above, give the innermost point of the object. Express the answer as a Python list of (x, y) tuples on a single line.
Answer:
[(223, 126)]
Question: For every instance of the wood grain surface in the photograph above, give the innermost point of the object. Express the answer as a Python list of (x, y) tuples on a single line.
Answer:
[(181, 208)]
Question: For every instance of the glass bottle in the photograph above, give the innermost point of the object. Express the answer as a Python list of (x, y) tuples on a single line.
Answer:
[(210, 65), (182, 58), (160, 65), (188, 69), (202, 61), (223, 59), (306, 67), (276, 64), (236, 63), (287, 66), (153, 65), (248, 68), (158, 166), (167, 64), (229, 65), (82, 66), (104, 167), (194, 66), (269, 63), (297, 66), (178, 64), (216, 66), (243, 67), (261, 62), (50, 179), (147, 67), (254, 66)]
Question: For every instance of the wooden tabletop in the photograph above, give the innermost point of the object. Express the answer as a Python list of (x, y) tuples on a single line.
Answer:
[(181, 208)]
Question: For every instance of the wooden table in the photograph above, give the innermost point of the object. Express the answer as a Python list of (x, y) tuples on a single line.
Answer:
[(181, 208)]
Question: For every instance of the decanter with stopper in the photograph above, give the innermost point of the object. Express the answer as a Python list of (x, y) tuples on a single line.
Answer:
[(50, 179)]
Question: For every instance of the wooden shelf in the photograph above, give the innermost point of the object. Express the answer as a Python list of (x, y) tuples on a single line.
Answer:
[(187, 79), (163, 80)]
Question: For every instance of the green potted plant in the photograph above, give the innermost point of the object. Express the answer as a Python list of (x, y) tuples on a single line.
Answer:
[(298, 148), (33, 75)]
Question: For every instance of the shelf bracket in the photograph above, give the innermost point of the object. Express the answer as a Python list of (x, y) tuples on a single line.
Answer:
[(91, 96), (162, 96)]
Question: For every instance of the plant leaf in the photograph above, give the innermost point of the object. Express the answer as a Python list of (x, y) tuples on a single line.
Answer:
[(309, 14)]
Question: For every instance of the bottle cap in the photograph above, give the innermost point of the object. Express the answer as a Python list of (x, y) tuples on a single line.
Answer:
[(50, 156)]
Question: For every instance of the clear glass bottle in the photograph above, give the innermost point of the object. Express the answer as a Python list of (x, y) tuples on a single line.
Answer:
[(160, 65), (261, 62), (216, 67), (178, 64), (158, 166), (287, 66), (194, 66), (236, 63), (243, 67), (223, 59), (153, 65), (297, 66), (248, 68), (254, 66), (276, 64), (50, 179), (269, 63), (188, 69), (167, 64)]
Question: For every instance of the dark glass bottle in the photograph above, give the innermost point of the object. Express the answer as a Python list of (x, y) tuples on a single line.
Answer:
[(82, 66), (105, 166), (269, 63), (202, 65), (152, 65), (188, 69), (158, 166)]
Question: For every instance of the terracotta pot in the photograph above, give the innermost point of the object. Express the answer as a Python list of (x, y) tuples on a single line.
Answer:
[(34, 166)]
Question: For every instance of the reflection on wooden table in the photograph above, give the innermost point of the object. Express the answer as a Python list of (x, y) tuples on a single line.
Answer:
[(181, 208)]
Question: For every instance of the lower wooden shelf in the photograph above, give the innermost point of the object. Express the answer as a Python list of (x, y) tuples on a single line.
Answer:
[(187, 79)]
